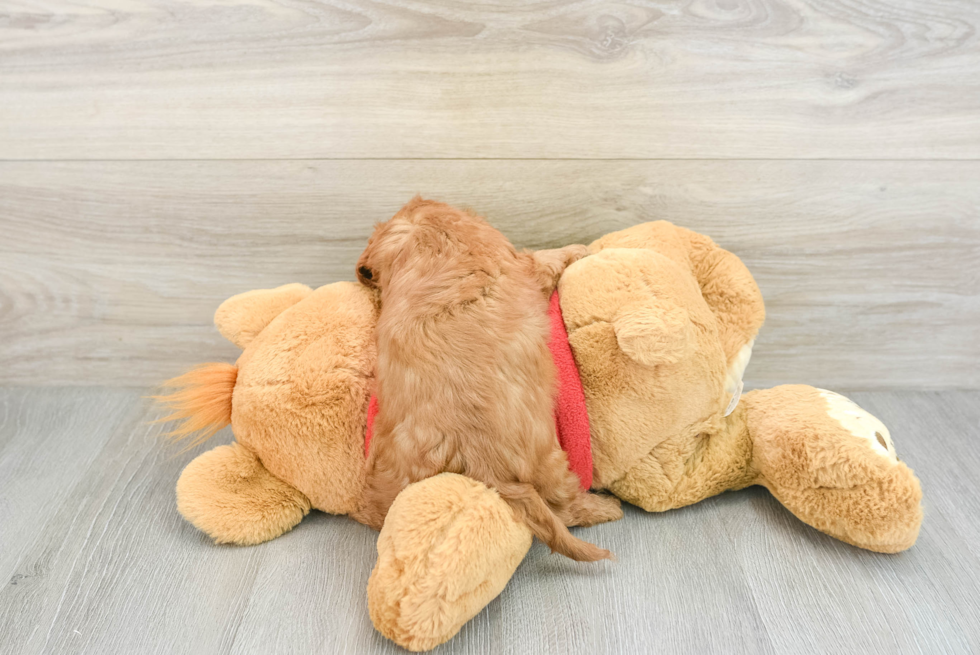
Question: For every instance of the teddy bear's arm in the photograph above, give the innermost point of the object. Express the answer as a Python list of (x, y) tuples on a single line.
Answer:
[(240, 318)]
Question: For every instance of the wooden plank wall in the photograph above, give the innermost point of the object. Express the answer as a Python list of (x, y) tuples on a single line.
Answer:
[(158, 157)]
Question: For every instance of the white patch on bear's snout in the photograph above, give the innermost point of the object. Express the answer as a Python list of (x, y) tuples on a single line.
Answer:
[(858, 422)]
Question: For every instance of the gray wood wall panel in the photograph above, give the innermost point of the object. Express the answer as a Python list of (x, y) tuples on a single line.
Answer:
[(108, 566), (110, 271), (405, 78)]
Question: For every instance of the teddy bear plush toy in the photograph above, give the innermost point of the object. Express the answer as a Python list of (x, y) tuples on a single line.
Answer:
[(651, 335)]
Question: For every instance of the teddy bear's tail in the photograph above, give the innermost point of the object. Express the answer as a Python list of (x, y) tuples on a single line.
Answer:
[(546, 525), (201, 401)]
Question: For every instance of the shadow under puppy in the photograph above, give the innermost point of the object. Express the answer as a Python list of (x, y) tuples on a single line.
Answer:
[(466, 383)]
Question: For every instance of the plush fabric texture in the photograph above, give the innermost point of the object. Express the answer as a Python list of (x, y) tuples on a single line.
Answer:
[(660, 322), (829, 477), (230, 496), (726, 285), (301, 397), (241, 318), (448, 547), (648, 352), (571, 415)]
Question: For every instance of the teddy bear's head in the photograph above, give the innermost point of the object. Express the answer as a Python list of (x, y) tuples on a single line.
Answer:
[(648, 350), (300, 400)]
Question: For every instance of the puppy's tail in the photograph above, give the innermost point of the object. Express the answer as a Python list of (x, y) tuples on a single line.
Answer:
[(546, 526), (202, 401)]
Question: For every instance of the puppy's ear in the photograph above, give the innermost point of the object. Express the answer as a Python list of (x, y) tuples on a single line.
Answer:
[(384, 246), (366, 268), (366, 276)]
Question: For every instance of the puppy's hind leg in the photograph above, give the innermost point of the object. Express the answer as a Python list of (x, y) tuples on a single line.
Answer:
[(380, 490), (591, 509), (550, 264)]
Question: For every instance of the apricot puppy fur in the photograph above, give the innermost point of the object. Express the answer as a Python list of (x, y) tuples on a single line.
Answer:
[(466, 383)]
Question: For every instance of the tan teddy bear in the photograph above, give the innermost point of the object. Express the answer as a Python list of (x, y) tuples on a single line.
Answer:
[(661, 324)]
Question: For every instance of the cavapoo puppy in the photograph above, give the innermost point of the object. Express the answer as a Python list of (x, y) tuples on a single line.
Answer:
[(466, 383)]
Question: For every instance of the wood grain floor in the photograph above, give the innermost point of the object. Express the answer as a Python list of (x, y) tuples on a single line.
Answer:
[(95, 558)]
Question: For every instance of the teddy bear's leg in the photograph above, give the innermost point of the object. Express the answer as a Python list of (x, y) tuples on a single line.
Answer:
[(229, 495), (448, 547), (834, 466)]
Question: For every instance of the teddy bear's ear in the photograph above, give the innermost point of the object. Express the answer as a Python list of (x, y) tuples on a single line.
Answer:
[(240, 318), (654, 333)]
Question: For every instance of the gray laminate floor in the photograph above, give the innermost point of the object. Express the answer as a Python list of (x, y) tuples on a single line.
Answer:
[(96, 559)]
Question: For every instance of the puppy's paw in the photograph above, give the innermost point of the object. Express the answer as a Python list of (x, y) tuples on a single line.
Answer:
[(574, 252)]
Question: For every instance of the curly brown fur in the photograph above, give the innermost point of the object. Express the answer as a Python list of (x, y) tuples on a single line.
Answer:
[(465, 379)]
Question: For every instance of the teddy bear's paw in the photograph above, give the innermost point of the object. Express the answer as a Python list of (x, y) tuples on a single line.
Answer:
[(448, 547), (834, 465), (229, 495), (860, 423)]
